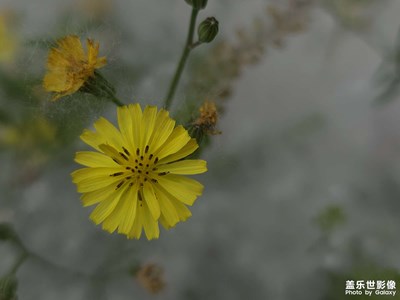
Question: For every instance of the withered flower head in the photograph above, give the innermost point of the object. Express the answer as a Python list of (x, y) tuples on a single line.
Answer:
[(208, 118), (151, 277)]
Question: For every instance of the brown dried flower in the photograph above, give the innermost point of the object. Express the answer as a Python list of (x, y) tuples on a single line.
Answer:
[(208, 118), (151, 277)]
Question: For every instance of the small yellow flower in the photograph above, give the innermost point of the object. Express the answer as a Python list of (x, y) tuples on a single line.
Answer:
[(136, 175), (68, 66), (8, 44), (29, 135)]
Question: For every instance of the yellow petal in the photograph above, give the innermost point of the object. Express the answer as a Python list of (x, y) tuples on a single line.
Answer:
[(136, 117), (118, 157), (94, 159), (164, 222), (56, 82), (101, 62), (125, 126), (92, 139), (95, 183), (151, 200), (188, 149), (57, 61), (116, 218), (150, 226), (147, 125), (136, 230), (181, 209), (162, 130), (94, 197), (71, 45), (182, 188), (130, 210), (106, 207), (109, 133), (168, 211), (88, 173), (93, 51), (184, 167), (176, 141)]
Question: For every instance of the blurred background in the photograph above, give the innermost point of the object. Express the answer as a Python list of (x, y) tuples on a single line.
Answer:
[(302, 191)]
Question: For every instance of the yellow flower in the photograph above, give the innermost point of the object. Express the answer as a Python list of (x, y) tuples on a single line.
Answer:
[(8, 44), (136, 175), (68, 66)]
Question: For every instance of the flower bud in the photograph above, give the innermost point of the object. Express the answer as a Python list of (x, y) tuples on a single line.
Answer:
[(197, 4), (6, 232), (208, 30)]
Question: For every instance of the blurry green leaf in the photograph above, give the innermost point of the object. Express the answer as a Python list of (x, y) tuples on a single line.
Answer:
[(7, 232), (330, 218), (8, 287)]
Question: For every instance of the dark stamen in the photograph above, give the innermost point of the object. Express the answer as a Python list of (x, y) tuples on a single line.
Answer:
[(162, 173), (141, 157), (126, 151), (129, 177), (130, 184), (151, 156), (140, 164), (114, 159), (140, 196), (154, 180), (124, 156), (156, 160), (137, 151), (119, 185), (128, 168), (117, 174), (136, 161), (139, 171), (145, 179), (146, 149), (154, 169)]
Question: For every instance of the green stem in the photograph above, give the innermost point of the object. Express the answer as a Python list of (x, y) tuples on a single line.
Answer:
[(116, 101), (182, 61), (109, 89), (19, 262), (58, 267)]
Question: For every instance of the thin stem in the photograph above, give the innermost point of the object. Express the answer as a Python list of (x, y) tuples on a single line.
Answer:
[(19, 262), (103, 88), (116, 101), (182, 61)]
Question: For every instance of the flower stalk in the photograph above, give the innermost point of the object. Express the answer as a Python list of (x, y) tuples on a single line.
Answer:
[(185, 54)]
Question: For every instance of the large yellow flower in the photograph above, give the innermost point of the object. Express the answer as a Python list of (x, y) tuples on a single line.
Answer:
[(136, 175), (68, 66)]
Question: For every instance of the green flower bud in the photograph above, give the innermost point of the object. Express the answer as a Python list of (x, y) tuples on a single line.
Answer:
[(208, 30), (8, 288), (6, 232), (197, 4)]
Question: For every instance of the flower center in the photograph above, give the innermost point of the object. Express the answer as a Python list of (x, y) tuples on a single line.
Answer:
[(138, 168)]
